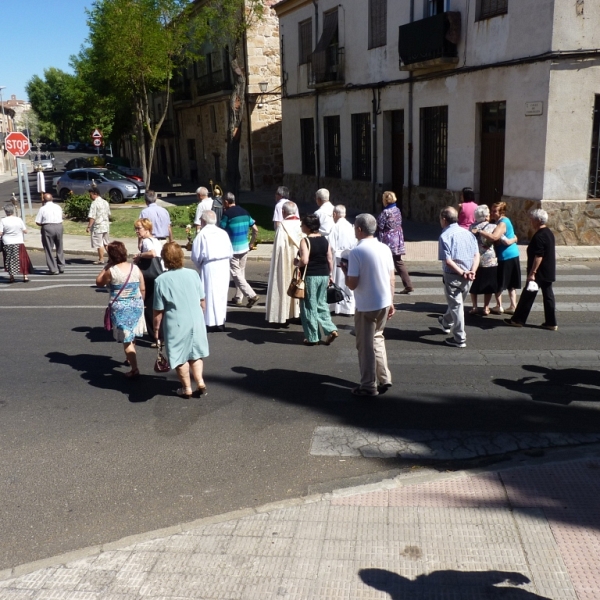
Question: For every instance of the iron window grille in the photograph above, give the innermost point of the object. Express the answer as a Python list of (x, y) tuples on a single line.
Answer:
[(594, 189), (307, 143), (492, 8), (433, 164), (333, 153), (305, 39), (361, 146), (377, 23)]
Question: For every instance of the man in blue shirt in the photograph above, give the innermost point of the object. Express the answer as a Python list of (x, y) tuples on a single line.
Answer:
[(459, 253), (236, 222), (159, 217)]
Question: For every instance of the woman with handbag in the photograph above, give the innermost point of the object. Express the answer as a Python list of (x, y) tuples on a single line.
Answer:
[(150, 263), (16, 259), (316, 260), (127, 301), (178, 306)]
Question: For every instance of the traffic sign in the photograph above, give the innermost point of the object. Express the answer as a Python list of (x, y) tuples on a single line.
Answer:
[(97, 142), (97, 134), (17, 143)]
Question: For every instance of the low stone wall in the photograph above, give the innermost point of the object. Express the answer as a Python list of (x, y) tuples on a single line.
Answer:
[(574, 223)]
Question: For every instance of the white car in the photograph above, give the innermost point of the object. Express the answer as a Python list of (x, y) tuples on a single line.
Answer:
[(113, 186), (45, 161)]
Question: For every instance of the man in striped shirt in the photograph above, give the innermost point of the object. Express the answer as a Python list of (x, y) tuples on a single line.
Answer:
[(237, 222)]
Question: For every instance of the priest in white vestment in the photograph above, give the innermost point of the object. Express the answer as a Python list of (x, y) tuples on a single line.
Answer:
[(324, 212), (211, 252), (342, 240), (280, 307)]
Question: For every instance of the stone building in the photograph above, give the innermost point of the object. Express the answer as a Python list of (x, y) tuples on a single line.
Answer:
[(192, 143), (426, 97)]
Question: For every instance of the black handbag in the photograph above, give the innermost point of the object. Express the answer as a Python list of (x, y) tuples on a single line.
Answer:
[(335, 294), (151, 268)]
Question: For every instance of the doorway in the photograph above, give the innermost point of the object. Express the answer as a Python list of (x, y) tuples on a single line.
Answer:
[(493, 134)]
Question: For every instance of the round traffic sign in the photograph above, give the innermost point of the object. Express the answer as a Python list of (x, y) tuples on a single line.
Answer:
[(97, 142), (17, 143)]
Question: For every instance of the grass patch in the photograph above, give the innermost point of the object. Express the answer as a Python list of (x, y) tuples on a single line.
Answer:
[(123, 219)]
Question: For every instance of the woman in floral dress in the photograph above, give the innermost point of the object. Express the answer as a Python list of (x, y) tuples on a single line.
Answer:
[(126, 307)]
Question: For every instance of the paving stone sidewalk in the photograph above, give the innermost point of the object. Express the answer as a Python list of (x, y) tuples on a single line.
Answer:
[(521, 533)]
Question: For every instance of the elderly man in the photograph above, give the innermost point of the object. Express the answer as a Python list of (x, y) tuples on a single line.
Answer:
[(205, 202), (324, 212), (280, 307), (459, 253), (342, 240), (159, 217), (211, 253), (237, 222), (541, 270), (281, 197), (370, 273), (50, 219), (98, 223)]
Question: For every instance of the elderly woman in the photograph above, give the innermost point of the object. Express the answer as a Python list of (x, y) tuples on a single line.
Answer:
[(486, 277), (178, 305), (509, 268), (127, 291), (16, 259), (149, 248), (315, 255), (389, 232)]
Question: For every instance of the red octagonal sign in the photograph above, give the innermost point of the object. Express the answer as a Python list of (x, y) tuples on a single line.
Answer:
[(17, 143)]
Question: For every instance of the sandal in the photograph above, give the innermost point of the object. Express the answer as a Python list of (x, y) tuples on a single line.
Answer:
[(133, 374), (497, 310), (474, 311), (199, 391), (184, 393), (25, 279), (307, 343), (331, 337), (509, 311)]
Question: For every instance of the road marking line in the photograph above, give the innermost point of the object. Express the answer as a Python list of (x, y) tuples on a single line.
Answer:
[(47, 306), (46, 287)]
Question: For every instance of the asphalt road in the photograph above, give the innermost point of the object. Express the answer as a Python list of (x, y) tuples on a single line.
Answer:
[(90, 457)]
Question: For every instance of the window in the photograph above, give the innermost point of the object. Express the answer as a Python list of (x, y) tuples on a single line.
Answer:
[(212, 72), (594, 190), (326, 60), (305, 39), (361, 146), (434, 7), (433, 164), (486, 9), (307, 142), (191, 149), (213, 119), (377, 23), (333, 155)]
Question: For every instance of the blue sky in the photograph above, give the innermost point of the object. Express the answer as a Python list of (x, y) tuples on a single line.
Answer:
[(37, 34)]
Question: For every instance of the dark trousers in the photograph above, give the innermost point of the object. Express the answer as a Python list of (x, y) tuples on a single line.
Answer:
[(528, 298), (401, 270)]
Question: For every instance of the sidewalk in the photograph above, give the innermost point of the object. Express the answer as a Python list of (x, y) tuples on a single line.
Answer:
[(529, 532)]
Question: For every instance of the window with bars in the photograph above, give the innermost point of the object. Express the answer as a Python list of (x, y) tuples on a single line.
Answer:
[(361, 146), (491, 8), (435, 7), (333, 153), (305, 40), (433, 164), (377, 23), (594, 189), (307, 143)]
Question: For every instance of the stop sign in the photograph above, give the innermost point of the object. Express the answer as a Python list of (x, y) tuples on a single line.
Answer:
[(17, 143)]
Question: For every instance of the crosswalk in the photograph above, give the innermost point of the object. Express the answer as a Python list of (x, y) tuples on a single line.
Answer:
[(75, 275)]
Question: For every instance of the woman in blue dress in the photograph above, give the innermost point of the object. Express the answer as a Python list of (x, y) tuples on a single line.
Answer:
[(178, 306), (127, 291)]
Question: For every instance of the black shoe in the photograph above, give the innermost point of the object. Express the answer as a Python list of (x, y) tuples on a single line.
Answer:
[(384, 387)]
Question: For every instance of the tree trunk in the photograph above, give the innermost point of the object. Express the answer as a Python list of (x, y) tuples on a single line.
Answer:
[(234, 133), (142, 142)]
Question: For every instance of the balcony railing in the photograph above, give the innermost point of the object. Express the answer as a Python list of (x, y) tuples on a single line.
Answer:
[(430, 42), (215, 81), (330, 70), (182, 91)]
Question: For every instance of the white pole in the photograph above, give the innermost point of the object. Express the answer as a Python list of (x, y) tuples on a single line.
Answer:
[(26, 180), (22, 204)]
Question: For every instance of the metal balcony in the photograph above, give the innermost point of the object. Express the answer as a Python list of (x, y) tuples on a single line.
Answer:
[(330, 71)]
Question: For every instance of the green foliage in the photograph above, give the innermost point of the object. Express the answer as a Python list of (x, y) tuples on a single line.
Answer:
[(77, 207), (182, 215)]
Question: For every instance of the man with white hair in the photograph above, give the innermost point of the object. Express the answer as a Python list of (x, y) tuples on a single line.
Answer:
[(282, 195), (205, 202), (324, 212), (280, 307), (211, 253), (159, 217), (541, 273), (342, 240)]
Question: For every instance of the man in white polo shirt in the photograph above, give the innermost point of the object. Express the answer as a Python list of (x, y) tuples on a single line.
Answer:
[(370, 273), (50, 219)]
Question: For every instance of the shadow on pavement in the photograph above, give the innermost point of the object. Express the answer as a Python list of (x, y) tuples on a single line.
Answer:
[(450, 585)]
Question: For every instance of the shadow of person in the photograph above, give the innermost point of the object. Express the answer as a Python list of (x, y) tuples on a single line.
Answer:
[(556, 386), (450, 585), (99, 371), (265, 336), (95, 334)]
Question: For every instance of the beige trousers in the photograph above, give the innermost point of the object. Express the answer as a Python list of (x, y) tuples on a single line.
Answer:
[(370, 343)]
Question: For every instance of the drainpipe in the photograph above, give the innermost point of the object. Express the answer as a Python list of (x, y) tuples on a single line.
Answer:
[(317, 151), (410, 126), (374, 145)]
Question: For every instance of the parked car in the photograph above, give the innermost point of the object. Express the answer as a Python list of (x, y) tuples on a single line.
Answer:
[(75, 146), (43, 161), (113, 186), (130, 173), (85, 161)]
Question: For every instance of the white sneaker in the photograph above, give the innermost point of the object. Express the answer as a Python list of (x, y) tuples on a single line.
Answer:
[(445, 329), (452, 342)]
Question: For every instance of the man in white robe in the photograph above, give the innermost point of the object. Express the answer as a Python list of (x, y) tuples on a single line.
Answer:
[(280, 307), (324, 212), (211, 252), (342, 240)]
